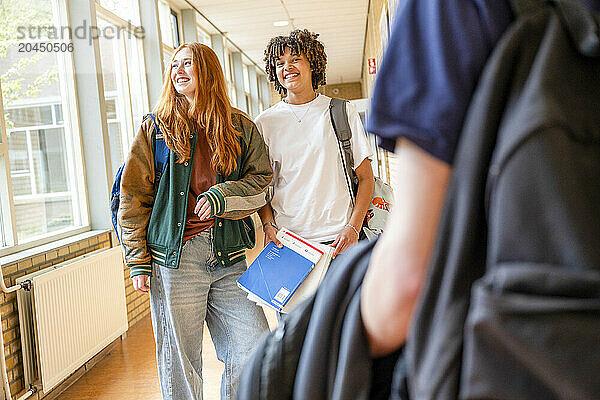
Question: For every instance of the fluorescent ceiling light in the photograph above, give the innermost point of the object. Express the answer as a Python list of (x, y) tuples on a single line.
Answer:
[(281, 23)]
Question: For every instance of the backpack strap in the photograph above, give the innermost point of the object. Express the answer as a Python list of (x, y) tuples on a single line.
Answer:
[(160, 151), (341, 127), (580, 22), (582, 25)]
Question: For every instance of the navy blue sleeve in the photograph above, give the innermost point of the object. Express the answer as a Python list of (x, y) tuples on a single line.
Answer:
[(431, 66)]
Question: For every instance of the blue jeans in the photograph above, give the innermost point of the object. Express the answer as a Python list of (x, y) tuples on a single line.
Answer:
[(181, 300)]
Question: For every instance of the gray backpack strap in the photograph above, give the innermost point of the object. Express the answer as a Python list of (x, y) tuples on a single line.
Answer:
[(341, 127)]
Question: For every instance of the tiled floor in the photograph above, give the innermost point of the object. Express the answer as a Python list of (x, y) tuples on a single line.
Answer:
[(129, 371)]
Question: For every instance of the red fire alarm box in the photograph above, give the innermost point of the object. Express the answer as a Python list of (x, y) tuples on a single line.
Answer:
[(372, 66)]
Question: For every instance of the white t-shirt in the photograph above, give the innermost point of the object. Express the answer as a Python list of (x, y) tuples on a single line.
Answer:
[(310, 191)]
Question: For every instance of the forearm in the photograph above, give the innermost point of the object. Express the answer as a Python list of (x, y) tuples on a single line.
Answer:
[(235, 199), (363, 199), (266, 214), (234, 204), (364, 194), (399, 261)]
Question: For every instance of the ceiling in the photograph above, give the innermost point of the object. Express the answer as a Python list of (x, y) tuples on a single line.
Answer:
[(340, 23)]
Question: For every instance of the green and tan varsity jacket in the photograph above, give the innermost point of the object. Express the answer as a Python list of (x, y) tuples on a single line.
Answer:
[(151, 226)]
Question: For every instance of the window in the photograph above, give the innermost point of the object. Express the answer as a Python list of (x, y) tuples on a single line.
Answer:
[(2, 234), (203, 37), (261, 94), (175, 29), (5, 225), (167, 55), (125, 9), (246, 78), (247, 92), (125, 91), (40, 160), (164, 19), (229, 78)]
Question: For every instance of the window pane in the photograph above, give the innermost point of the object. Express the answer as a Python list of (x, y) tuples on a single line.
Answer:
[(137, 81), (167, 54), (21, 184), (174, 29), (164, 19), (19, 155), (226, 68), (111, 108), (3, 221), (30, 116), (126, 9), (246, 78), (49, 160), (58, 114), (232, 95), (249, 104), (2, 234), (203, 37), (116, 143), (38, 216), (124, 91), (44, 168)]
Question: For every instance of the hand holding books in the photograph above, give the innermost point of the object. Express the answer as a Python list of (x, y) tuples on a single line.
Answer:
[(280, 278)]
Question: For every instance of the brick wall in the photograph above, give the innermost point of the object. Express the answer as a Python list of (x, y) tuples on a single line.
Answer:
[(137, 307)]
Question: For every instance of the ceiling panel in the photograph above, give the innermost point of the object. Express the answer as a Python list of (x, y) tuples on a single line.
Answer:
[(340, 23)]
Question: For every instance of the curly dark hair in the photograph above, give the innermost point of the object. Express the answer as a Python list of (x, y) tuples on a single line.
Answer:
[(300, 41)]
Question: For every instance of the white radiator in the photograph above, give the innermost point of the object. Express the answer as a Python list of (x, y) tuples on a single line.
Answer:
[(72, 311)]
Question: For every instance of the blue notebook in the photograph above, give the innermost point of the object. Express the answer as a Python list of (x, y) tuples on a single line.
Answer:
[(275, 275)]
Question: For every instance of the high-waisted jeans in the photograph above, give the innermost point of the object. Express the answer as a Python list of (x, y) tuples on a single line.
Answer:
[(181, 300)]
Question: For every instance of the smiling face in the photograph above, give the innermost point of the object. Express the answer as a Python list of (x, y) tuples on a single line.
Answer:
[(183, 74), (293, 72)]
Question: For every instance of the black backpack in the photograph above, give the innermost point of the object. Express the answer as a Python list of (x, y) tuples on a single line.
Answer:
[(270, 373), (511, 307)]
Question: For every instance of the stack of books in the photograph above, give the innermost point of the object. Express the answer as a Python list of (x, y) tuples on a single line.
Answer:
[(280, 278)]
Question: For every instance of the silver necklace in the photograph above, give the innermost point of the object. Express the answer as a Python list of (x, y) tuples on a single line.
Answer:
[(299, 119)]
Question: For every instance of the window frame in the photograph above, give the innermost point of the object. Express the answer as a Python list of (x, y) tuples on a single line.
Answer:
[(7, 207)]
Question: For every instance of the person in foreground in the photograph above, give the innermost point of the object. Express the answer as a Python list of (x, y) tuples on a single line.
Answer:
[(355, 330), (190, 234), (423, 91), (311, 196)]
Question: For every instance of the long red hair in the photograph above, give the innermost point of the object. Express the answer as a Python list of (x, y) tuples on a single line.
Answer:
[(210, 111)]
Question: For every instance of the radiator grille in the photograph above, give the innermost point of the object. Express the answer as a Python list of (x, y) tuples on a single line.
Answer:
[(73, 311)]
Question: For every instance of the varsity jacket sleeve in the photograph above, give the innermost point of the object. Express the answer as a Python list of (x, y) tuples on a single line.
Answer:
[(235, 199), (136, 200)]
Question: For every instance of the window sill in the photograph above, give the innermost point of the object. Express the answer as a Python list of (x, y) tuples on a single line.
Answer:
[(45, 248)]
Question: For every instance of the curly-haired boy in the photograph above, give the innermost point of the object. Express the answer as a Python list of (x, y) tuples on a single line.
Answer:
[(310, 196)]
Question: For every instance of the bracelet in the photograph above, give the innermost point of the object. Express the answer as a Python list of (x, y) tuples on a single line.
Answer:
[(357, 234), (270, 224)]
